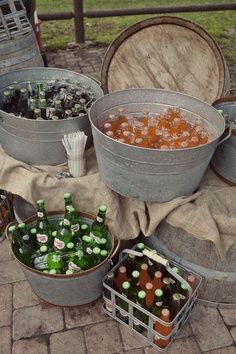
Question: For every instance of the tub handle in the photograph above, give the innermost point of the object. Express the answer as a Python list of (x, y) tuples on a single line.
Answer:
[(228, 92), (226, 137), (114, 251)]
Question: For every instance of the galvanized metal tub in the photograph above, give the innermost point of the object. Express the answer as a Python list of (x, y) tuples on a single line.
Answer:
[(224, 158), (39, 142), (69, 290), (148, 174), (20, 52)]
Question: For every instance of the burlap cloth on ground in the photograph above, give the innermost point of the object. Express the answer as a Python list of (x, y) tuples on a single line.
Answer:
[(208, 214)]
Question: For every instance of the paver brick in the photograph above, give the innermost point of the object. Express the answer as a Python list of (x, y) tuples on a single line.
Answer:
[(132, 351), (130, 339), (180, 346), (103, 338), (233, 333), (84, 315), (5, 305), (225, 350), (209, 329), (30, 346), (71, 342), (10, 272), (186, 331), (34, 321), (5, 251), (229, 316), (23, 296), (5, 340)]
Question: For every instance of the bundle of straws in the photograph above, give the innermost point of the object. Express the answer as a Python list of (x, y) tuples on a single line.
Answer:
[(74, 144)]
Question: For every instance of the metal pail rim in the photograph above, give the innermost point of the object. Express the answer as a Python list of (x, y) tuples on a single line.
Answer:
[(154, 90), (114, 249)]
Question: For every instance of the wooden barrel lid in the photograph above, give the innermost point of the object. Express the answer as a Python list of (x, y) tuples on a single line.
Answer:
[(166, 52)]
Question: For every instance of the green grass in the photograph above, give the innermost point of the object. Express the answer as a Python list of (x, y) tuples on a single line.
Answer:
[(57, 34)]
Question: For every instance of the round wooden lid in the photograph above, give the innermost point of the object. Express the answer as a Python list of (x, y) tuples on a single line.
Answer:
[(166, 52)]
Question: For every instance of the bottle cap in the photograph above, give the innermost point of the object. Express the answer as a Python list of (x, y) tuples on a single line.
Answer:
[(158, 274), (43, 248), (141, 294), (126, 285), (176, 270), (110, 275), (12, 228), (122, 269), (166, 281), (165, 313), (96, 250), (140, 246), (183, 286), (103, 240), (22, 225), (159, 292), (33, 231), (45, 271), (135, 274), (54, 233), (69, 271), (40, 202), (104, 253), (70, 245), (144, 266), (52, 271), (84, 227), (191, 278), (149, 286), (103, 208), (176, 297), (86, 238)]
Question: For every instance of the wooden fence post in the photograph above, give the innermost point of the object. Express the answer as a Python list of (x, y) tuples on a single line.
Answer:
[(79, 21)]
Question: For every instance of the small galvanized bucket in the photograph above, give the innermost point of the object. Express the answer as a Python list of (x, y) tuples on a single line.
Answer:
[(69, 290), (224, 158)]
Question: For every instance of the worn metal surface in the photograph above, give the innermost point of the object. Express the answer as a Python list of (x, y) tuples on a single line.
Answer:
[(166, 52), (224, 158), (218, 278), (149, 174), (22, 52), (69, 290), (39, 142)]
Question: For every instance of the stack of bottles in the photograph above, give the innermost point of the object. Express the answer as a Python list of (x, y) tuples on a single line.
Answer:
[(169, 129), (52, 100), (73, 247), (149, 285)]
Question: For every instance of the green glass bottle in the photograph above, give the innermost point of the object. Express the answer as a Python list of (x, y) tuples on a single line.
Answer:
[(107, 293), (134, 285), (88, 244), (123, 313), (140, 317), (99, 228), (82, 260), (96, 256), (71, 215), (22, 250), (64, 235), (130, 264), (158, 303), (140, 260), (33, 236), (103, 255), (68, 200), (24, 233), (44, 232), (183, 294), (103, 244), (84, 230), (55, 260), (167, 289), (40, 260), (175, 305)]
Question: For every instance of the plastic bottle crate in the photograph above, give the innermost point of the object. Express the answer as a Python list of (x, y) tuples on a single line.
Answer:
[(149, 334)]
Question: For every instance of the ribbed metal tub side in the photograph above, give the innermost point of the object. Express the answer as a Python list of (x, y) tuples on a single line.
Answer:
[(149, 174)]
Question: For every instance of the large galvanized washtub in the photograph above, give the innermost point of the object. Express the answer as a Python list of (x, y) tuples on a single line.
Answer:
[(148, 174), (69, 290), (39, 142), (224, 158)]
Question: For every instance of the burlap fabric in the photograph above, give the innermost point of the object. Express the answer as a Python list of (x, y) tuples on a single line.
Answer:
[(208, 214)]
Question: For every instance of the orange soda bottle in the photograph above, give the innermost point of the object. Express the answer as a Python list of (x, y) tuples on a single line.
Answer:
[(150, 295), (162, 329), (144, 276), (157, 281), (192, 282), (120, 278)]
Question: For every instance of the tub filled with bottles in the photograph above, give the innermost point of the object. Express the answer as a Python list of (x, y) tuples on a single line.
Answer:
[(38, 106), (150, 295), (64, 255), (160, 141)]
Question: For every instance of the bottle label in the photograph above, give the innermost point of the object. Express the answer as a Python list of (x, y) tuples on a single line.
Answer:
[(89, 250), (59, 244), (74, 267), (150, 263), (66, 222), (75, 227), (172, 281), (92, 236), (39, 214), (56, 258), (42, 238), (159, 303), (99, 219), (109, 306), (26, 237), (21, 250), (182, 297)]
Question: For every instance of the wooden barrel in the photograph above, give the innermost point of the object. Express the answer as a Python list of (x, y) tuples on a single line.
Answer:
[(166, 52), (21, 52), (219, 276)]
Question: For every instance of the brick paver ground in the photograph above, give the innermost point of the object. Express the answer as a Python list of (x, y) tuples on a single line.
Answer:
[(30, 326)]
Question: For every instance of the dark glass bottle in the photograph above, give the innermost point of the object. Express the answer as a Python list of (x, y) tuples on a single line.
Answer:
[(31, 108), (7, 103), (158, 303), (58, 109), (43, 107), (167, 289), (22, 106), (49, 90), (107, 293), (43, 227), (99, 228), (22, 250), (175, 305)]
